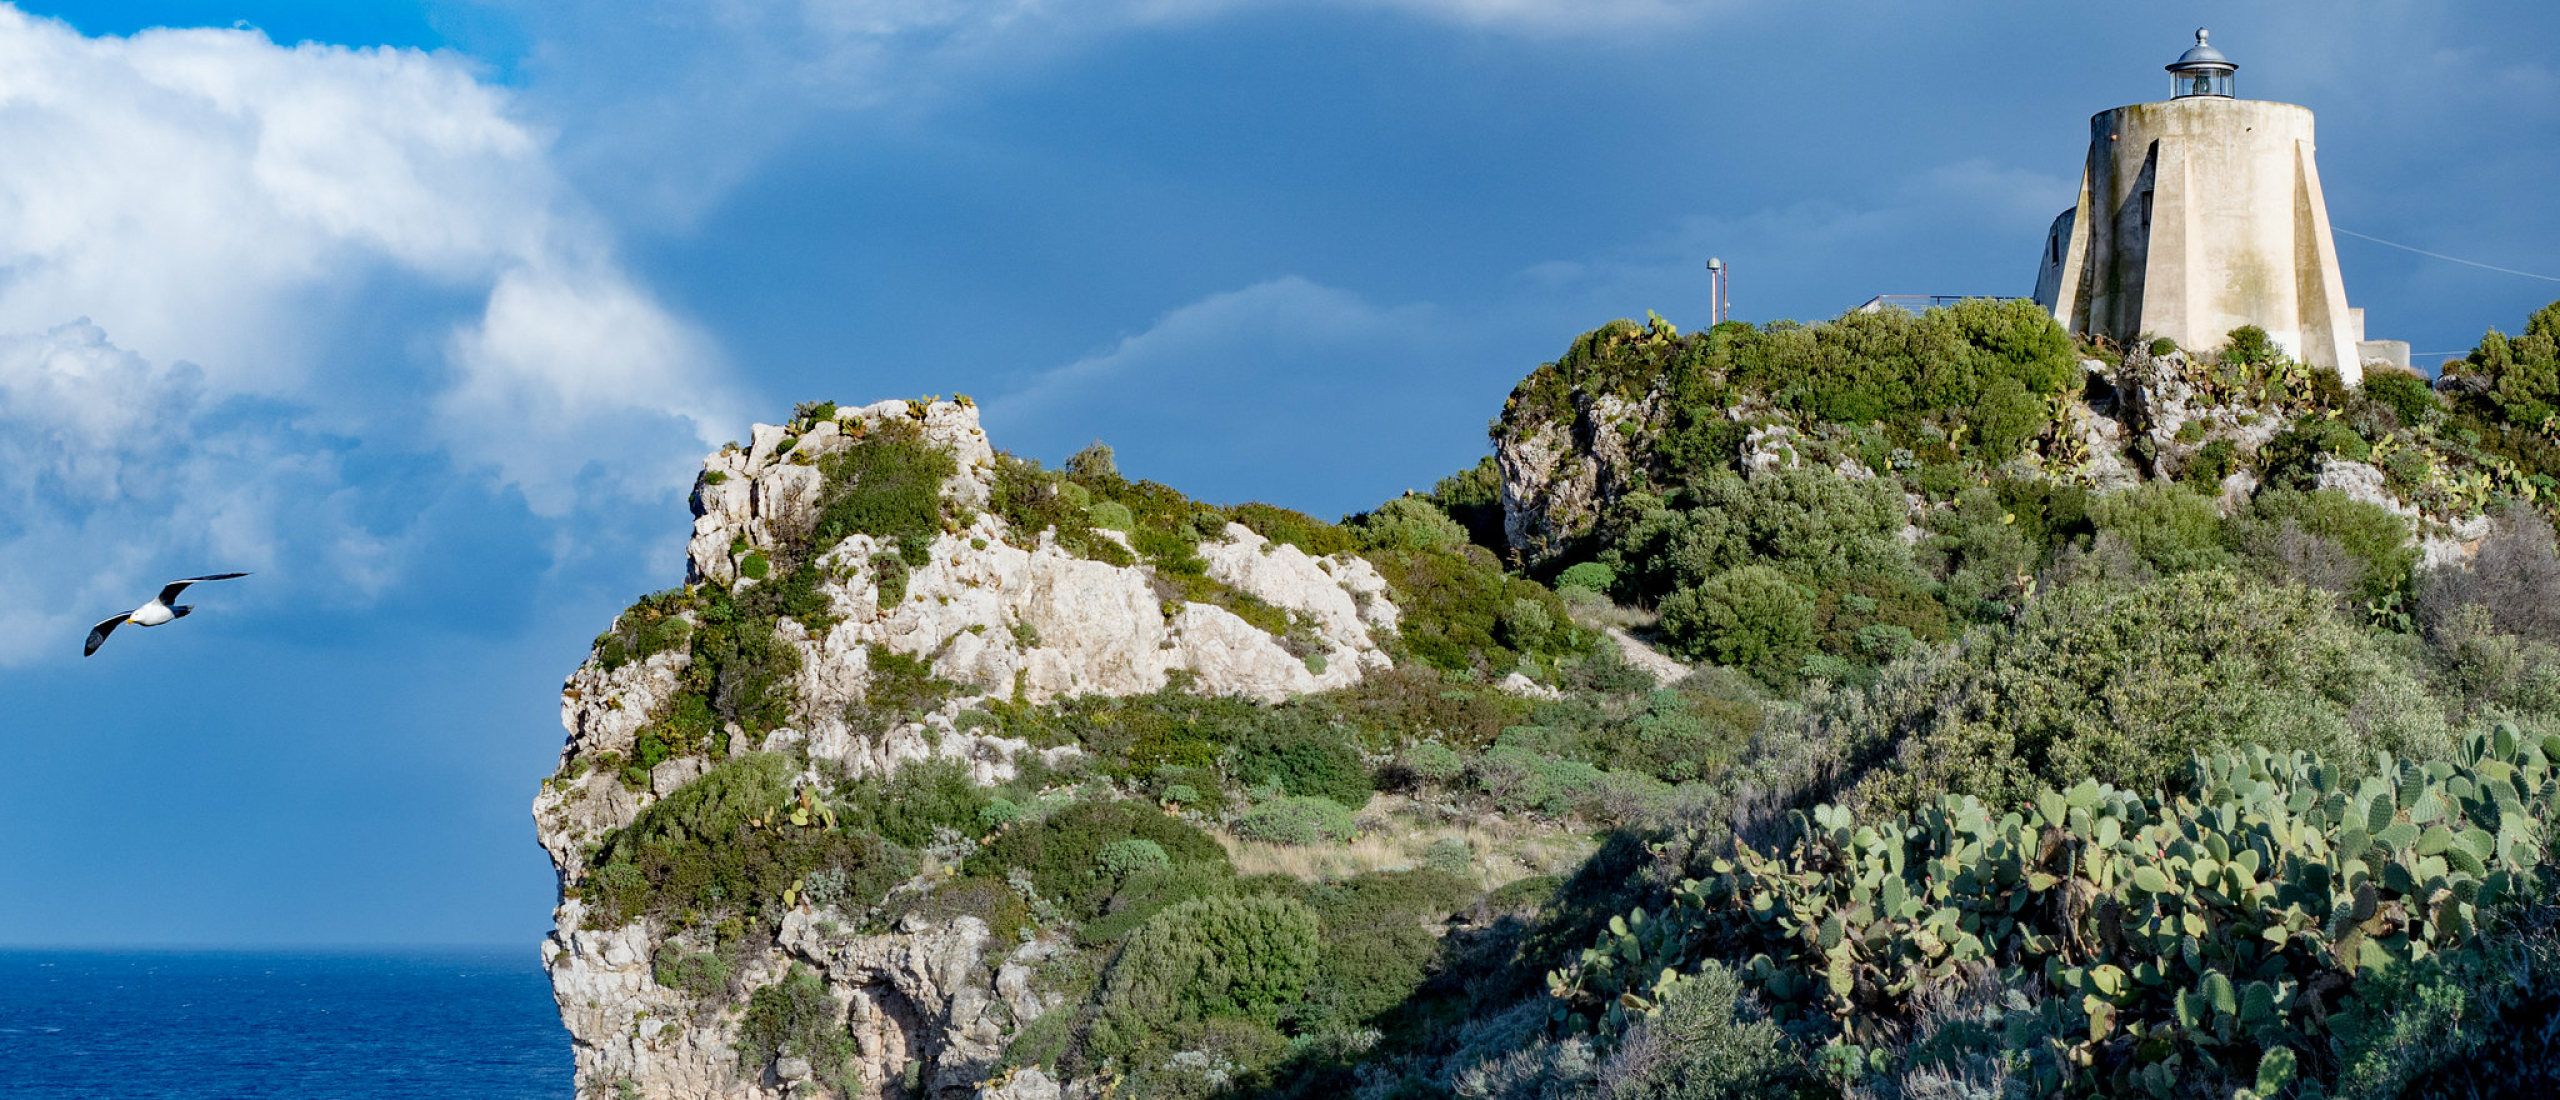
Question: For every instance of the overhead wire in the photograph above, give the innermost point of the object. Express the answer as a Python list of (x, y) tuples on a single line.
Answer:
[(2442, 256)]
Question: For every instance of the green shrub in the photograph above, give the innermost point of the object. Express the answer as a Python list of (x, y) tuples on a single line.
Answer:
[(2292, 459), (1123, 858), (1521, 778), (1984, 363), (2249, 345), (702, 975), (910, 805), (2406, 393), (1031, 500), (2372, 537), (1062, 853), (898, 688), (746, 674), (726, 843), (648, 628), (1589, 576), (796, 1017), (2212, 462), (888, 485), (1408, 523), (1808, 523), (1454, 603), (1094, 463), (2124, 684), (1431, 762), (2521, 375), (1304, 758), (1377, 943), (1473, 497), (1707, 1039), (1300, 820), (1298, 529), (1111, 514), (1450, 855), (1198, 961), (1151, 890), (2170, 529), (1752, 618), (1981, 551)]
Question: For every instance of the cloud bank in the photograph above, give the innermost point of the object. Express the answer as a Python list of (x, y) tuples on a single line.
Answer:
[(229, 269)]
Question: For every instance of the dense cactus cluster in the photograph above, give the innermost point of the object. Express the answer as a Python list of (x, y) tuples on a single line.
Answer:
[(2214, 932)]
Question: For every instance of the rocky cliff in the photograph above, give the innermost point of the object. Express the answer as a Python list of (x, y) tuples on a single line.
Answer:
[(1577, 437), (995, 613)]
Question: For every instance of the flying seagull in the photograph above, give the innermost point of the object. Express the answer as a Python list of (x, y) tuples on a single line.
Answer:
[(160, 610)]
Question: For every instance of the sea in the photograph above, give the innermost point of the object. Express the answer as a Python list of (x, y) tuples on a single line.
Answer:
[(280, 1025)]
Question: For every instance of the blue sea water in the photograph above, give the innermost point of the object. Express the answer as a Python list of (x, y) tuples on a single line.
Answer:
[(231, 1025)]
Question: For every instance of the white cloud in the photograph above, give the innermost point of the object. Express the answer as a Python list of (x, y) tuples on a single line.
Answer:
[(110, 467), (299, 254), (206, 195)]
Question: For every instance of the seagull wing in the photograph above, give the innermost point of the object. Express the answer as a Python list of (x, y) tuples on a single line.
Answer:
[(169, 595), (98, 634)]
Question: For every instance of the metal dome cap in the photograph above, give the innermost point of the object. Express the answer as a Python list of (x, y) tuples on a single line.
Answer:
[(2202, 56)]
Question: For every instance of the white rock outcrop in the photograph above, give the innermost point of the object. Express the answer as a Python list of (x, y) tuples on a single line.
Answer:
[(1007, 613)]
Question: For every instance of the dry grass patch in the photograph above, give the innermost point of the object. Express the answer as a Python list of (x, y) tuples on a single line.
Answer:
[(1392, 838)]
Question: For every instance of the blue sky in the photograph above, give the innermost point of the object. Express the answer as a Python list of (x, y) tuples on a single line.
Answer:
[(425, 312)]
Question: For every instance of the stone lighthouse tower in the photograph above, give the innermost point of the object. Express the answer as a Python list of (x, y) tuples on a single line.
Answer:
[(2199, 215)]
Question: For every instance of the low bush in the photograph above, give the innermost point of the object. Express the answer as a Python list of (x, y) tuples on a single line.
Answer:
[(910, 805), (1519, 778), (1031, 501), (1147, 891), (1752, 617), (1455, 604), (727, 843), (2373, 540), (702, 975), (2293, 458), (2407, 393), (1204, 959), (2515, 577), (2124, 684), (1062, 853), (646, 629), (1473, 497), (1707, 1039), (797, 1018), (888, 485), (1378, 944), (1408, 523), (1290, 528), (1299, 820), (1589, 576), (1304, 756), (2169, 529)]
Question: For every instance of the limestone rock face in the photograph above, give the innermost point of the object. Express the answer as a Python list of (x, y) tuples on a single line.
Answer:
[(1558, 475), (1008, 613)]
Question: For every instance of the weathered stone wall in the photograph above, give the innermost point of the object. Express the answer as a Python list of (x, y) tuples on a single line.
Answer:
[(2197, 216)]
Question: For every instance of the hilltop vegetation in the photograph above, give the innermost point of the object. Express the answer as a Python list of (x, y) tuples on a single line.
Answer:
[(2062, 720)]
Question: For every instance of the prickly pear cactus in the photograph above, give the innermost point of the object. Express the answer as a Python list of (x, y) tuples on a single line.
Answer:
[(2206, 933)]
